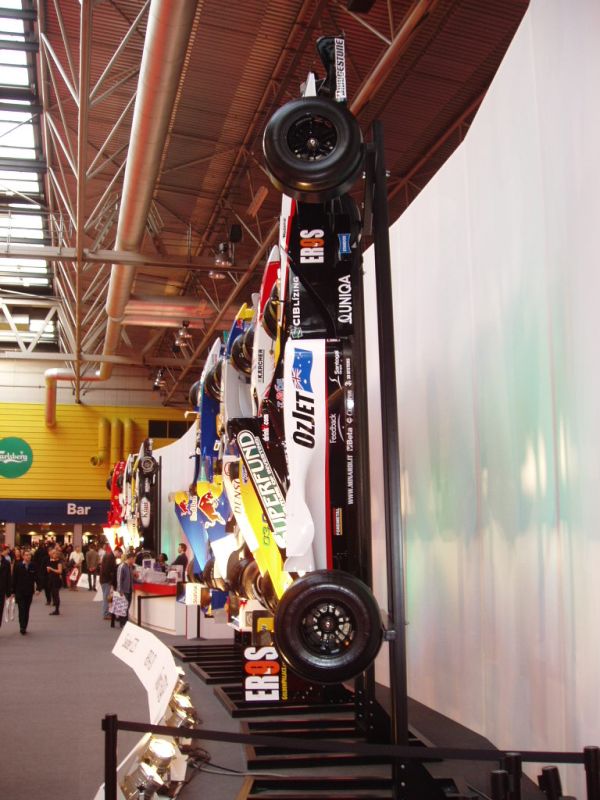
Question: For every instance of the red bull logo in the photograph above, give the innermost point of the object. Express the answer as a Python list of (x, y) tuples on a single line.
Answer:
[(183, 506), (208, 505)]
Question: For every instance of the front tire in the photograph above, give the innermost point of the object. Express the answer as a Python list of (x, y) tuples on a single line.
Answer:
[(328, 626), (313, 149)]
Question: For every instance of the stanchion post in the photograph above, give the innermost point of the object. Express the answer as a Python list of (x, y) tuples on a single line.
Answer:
[(513, 764), (499, 784), (110, 728), (549, 782), (591, 760)]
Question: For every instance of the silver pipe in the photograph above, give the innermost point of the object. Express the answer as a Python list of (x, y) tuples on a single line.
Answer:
[(167, 35)]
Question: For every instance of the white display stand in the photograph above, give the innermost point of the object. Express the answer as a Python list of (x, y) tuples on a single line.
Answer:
[(161, 613)]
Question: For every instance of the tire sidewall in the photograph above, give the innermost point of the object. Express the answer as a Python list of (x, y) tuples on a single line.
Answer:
[(303, 595), (318, 180)]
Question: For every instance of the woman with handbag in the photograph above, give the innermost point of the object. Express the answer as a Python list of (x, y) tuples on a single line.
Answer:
[(125, 589), (75, 562), (55, 571)]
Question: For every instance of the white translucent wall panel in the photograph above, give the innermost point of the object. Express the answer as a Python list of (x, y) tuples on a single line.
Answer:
[(177, 472), (497, 333)]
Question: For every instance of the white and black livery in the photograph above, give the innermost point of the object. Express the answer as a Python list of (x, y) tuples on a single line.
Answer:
[(327, 622)]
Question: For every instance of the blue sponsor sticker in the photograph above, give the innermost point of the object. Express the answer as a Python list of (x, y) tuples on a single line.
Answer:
[(344, 244)]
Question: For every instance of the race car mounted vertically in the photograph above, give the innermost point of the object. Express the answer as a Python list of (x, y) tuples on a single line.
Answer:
[(327, 622)]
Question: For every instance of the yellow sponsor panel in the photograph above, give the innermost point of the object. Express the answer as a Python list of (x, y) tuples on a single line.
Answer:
[(267, 555)]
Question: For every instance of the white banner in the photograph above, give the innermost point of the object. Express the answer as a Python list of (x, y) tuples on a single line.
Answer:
[(152, 662)]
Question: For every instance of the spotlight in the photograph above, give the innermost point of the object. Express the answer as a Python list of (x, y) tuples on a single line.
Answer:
[(183, 337), (184, 332), (216, 275), (182, 686), (143, 782), (181, 702), (159, 380), (181, 713), (224, 255), (159, 754)]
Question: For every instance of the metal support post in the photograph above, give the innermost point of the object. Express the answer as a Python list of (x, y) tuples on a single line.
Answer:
[(499, 784), (591, 760), (391, 455), (513, 764), (110, 728)]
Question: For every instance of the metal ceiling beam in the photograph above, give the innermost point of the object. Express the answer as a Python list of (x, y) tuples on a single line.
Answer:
[(49, 253), (388, 61), (92, 358)]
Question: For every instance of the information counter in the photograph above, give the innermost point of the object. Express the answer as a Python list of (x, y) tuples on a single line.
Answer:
[(156, 606)]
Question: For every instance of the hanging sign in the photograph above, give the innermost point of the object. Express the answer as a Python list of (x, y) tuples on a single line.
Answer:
[(16, 457)]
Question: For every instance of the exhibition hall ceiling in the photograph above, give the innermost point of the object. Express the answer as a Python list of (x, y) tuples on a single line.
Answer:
[(144, 155)]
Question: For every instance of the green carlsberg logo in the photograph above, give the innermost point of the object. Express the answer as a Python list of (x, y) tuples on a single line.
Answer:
[(16, 457)]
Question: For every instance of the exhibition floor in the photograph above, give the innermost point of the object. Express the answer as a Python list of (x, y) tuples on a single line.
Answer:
[(58, 682)]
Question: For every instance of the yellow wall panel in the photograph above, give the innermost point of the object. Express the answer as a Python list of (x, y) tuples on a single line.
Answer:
[(61, 456)]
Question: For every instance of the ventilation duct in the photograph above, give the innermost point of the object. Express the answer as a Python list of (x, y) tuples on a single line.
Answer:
[(116, 440), (101, 456), (170, 23)]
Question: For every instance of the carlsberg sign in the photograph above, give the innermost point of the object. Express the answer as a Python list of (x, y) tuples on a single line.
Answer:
[(16, 457)]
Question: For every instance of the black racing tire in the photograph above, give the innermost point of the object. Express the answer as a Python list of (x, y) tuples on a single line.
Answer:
[(212, 382), (193, 394), (266, 590), (328, 626), (235, 567), (248, 579), (313, 149), (239, 356), (208, 573)]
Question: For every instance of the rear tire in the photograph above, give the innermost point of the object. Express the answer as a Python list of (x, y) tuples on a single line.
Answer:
[(313, 149), (241, 352)]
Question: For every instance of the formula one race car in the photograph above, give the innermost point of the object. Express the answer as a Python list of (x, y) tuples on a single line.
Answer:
[(289, 462)]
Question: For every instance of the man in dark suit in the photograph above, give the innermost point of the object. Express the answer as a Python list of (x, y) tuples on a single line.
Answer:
[(24, 584), (40, 561), (5, 578)]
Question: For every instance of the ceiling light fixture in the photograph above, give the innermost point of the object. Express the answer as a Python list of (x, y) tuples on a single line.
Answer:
[(216, 275), (159, 380), (183, 334), (224, 255)]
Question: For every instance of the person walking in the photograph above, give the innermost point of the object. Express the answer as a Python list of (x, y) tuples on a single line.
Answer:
[(125, 585), (108, 579), (5, 579), (74, 568), (91, 562), (25, 583), (41, 559), (55, 572)]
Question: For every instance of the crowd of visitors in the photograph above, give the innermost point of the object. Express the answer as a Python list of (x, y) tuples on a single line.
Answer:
[(52, 566)]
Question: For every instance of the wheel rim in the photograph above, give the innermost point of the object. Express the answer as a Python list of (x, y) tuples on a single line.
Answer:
[(312, 138), (328, 628)]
